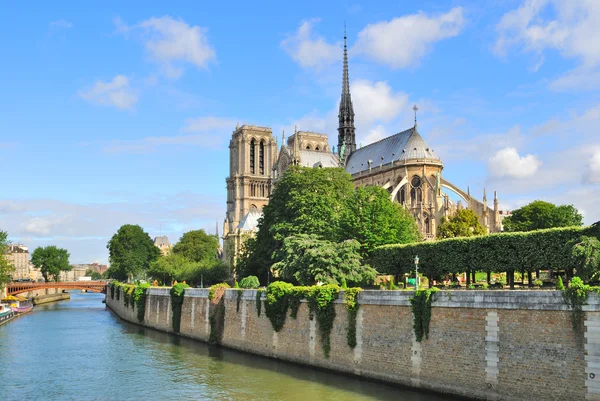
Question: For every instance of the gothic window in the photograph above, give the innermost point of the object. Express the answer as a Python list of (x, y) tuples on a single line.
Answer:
[(252, 156), (316, 148), (307, 147), (402, 196), (415, 182), (419, 195), (413, 196), (427, 225), (262, 190), (261, 158)]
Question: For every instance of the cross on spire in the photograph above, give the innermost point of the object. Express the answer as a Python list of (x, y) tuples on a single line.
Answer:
[(415, 109)]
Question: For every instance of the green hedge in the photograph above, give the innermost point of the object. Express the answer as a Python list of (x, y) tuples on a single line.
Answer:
[(503, 252)]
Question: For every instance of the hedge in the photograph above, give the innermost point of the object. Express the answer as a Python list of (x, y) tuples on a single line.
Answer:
[(502, 252)]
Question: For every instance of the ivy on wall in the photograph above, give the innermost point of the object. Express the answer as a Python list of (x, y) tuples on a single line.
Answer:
[(139, 298), (421, 309), (258, 301), (352, 306), (216, 315), (177, 292), (575, 296)]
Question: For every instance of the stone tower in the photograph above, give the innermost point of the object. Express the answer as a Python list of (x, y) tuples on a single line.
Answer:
[(252, 153), (346, 131)]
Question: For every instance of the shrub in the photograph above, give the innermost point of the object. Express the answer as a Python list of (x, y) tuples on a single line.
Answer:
[(559, 284), (139, 297), (538, 283), (211, 292), (249, 282), (277, 303)]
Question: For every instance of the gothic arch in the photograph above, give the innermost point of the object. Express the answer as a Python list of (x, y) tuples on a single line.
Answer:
[(397, 187)]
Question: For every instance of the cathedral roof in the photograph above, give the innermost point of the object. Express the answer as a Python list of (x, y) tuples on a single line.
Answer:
[(403, 146), (250, 220), (312, 158)]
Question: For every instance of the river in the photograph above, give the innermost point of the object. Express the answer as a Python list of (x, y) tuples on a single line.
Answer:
[(79, 350)]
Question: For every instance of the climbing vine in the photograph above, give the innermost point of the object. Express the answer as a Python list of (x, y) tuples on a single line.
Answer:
[(296, 295), (216, 316), (127, 291), (258, 301), (322, 303), (352, 305), (277, 303), (575, 296), (177, 292), (112, 289), (118, 289), (139, 298), (421, 309), (239, 299), (213, 289)]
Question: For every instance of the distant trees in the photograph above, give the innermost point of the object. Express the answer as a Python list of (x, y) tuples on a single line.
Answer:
[(131, 251), (464, 223), (51, 261), (539, 214), (6, 269), (93, 274), (197, 246)]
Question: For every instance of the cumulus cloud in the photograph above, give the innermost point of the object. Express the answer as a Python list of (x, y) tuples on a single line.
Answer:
[(171, 43), (309, 49), (403, 41), (508, 163), (569, 27), (593, 174), (116, 93), (376, 101)]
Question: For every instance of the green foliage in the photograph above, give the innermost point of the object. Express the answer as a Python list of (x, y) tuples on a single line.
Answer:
[(296, 295), (174, 266), (352, 306), (177, 292), (131, 251), (464, 223), (575, 296), (112, 287), (277, 303), (236, 285), (127, 294), (259, 301), (585, 252), (249, 282), (6, 269), (559, 284), (197, 246), (213, 289), (539, 215), (421, 309), (322, 302), (51, 261), (139, 298), (538, 283), (503, 252), (308, 259), (390, 284)]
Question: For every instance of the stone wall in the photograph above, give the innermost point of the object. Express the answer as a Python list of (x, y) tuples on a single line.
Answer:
[(494, 345)]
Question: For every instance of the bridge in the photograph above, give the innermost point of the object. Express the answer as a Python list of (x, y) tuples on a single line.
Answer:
[(93, 286)]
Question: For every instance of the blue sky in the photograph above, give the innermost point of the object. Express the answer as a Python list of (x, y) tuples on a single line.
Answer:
[(117, 113)]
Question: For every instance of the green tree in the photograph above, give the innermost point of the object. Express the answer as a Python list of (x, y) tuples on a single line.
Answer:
[(51, 261), (539, 214), (94, 275), (464, 223), (305, 201), (6, 269), (371, 218), (308, 259), (585, 252), (131, 251), (172, 267), (197, 246)]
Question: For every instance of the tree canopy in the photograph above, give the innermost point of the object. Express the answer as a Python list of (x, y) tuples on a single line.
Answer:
[(464, 223), (131, 251), (51, 261), (197, 246), (6, 269), (585, 252), (322, 202), (539, 214)]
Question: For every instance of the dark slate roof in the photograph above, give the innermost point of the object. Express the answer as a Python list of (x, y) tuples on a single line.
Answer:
[(403, 146)]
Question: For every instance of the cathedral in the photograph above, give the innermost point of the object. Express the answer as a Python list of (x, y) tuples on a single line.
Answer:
[(403, 164)]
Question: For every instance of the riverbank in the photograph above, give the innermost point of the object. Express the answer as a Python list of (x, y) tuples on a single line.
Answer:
[(494, 345), (44, 299)]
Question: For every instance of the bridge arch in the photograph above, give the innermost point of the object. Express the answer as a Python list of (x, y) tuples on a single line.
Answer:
[(93, 286)]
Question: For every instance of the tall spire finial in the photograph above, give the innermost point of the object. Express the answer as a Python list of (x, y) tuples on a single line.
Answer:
[(346, 80), (415, 109), (346, 130), (282, 138)]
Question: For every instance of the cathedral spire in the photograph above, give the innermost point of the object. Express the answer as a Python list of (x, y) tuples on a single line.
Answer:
[(346, 131)]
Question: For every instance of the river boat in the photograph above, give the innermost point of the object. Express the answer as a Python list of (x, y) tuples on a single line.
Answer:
[(6, 313), (18, 304)]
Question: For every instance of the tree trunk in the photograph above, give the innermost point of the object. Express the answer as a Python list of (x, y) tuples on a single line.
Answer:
[(489, 277), (474, 279), (530, 279), (511, 279), (468, 278), (453, 277), (537, 274)]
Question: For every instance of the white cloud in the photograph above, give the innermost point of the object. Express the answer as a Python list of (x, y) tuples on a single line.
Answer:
[(508, 163), (403, 41), (310, 50), (573, 31), (171, 42), (593, 173), (61, 23), (376, 101), (375, 134), (116, 93)]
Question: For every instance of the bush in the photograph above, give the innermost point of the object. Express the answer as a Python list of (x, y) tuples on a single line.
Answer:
[(249, 282), (559, 284), (538, 283)]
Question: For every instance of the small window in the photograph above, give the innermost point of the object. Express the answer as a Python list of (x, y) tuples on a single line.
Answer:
[(416, 182)]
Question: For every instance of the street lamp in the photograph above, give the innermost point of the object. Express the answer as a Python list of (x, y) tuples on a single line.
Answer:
[(417, 272)]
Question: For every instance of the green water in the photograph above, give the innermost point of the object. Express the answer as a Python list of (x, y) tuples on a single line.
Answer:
[(78, 350)]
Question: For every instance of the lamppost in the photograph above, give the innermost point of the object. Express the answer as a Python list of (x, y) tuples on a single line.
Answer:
[(417, 272)]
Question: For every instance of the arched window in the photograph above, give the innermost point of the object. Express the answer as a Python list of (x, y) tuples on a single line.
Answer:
[(307, 147), (402, 196), (252, 156), (419, 195), (427, 225), (316, 148), (413, 196), (261, 158)]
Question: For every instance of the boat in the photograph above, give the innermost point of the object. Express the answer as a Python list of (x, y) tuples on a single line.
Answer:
[(18, 304), (6, 313)]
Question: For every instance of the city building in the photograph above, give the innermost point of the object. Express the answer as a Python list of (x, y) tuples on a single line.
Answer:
[(403, 164), (18, 256), (162, 243)]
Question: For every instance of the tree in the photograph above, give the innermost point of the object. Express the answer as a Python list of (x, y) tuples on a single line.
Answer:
[(94, 275), (308, 259), (6, 269), (51, 261), (371, 218), (586, 257), (197, 246), (464, 223), (171, 267), (131, 251), (539, 214)]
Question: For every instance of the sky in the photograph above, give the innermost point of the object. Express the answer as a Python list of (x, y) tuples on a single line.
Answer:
[(118, 113)]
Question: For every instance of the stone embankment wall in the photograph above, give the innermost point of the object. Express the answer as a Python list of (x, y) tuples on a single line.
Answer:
[(493, 345), (44, 299)]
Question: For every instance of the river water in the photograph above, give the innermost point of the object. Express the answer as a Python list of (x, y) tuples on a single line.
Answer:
[(79, 350)]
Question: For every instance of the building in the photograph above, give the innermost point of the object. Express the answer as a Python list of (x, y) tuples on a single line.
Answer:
[(403, 164), (18, 256), (162, 243)]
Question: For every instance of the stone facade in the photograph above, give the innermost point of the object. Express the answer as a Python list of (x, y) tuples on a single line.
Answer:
[(492, 345)]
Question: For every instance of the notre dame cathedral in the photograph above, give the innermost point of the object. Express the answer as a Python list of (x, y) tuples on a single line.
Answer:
[(403, 163)]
